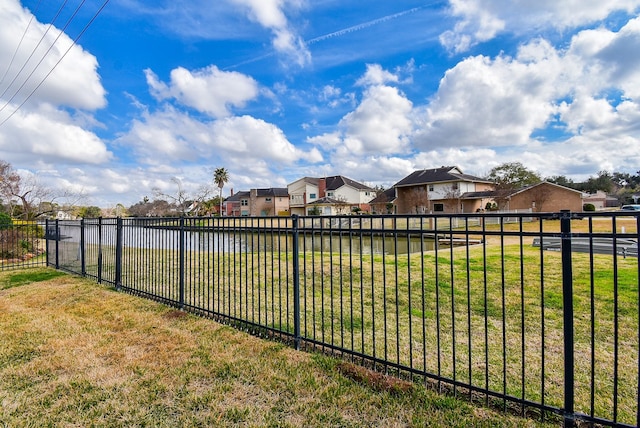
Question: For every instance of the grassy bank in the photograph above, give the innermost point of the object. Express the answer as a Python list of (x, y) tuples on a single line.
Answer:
[(74, 353)]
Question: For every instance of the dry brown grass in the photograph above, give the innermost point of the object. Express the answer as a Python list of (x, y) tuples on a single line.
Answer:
[(74, 353)]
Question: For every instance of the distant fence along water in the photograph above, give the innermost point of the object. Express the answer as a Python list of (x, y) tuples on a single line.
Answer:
[(22, 244), (538, 314)]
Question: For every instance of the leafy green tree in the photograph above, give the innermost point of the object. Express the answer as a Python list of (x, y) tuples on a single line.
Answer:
[(220, 177), (562, 181), (511, 176), (603, 181), (90, 212), (514, 175)]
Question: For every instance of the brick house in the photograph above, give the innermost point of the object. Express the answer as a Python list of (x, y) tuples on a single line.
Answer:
[(384, 202), (442, 190), (237, 205), (257, 202), (545, 197)]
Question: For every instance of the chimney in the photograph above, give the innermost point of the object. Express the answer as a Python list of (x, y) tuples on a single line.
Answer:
[(322, 187), (231, 191)]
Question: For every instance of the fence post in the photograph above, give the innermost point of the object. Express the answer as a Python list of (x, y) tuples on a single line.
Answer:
[(296, 282), (46, 241), (567, 304), (57, 244), (181, 261), (83, 266), (118, 278), (99, 250)]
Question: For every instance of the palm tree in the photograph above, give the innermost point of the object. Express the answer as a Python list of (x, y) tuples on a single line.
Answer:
[(220, 176)]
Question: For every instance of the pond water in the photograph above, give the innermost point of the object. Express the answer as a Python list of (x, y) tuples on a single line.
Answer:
[(245, 241)]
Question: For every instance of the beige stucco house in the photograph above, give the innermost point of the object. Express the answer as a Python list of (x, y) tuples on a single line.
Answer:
[(328, 195)]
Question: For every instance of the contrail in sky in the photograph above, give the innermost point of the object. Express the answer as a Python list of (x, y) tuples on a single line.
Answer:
[(342, 32), (363, 25)]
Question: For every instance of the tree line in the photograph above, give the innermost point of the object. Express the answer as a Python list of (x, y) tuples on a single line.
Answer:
[(25, 197), (514, 175)]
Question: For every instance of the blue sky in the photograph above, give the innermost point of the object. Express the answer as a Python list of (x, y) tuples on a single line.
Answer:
[(274, 90)]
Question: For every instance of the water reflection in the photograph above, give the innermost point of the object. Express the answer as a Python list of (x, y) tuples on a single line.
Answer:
[(246, 241)]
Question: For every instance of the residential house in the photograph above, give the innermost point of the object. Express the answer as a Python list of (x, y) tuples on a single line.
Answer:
[(268, 202), (384, 202), (337, 194), (545, 197), (237, 205), (257, 202), (600, 200), (442, 190)]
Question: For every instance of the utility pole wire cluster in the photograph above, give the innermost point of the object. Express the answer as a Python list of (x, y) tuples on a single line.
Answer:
[(30, 75)]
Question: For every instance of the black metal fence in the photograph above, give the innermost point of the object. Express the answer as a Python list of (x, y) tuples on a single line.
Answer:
[(534, 313), (22, 244)]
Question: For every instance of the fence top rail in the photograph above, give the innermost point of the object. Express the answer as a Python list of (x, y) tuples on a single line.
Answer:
[(485, 214)]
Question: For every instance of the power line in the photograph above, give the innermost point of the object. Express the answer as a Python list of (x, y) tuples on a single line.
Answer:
[(24, 33), (104, 4), (33, 51)]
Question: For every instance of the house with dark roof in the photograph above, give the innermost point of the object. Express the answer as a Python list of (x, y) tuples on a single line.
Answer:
[(342, 193), (237, 204), (442, 190), (269, 202), (384, 202), (257, 202)]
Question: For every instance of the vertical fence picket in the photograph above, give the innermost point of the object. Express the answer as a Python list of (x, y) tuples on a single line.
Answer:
[(567, 302)]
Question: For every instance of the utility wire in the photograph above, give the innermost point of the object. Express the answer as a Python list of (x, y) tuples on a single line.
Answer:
[(58, 62), (20, 43), (34, 49), (75, 12)]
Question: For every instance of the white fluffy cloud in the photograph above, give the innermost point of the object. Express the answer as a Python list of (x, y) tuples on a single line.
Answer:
[(176, 136), (588, 92), (71, 81), (270, 14), (209, 90), (482, 20), (494, 102), (41, 129), (52, 137), (380, 124)]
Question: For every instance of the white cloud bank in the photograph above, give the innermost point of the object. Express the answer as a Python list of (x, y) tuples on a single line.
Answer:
[(482, 20)]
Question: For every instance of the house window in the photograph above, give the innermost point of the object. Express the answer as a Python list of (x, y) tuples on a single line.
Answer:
[(438, 207), (330, 194), (244, 202), (267, 199), (454, 186), (431, 187), (312, 195)]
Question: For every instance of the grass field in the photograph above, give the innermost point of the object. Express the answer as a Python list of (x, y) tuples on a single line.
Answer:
[(75, 353), (489, 315)]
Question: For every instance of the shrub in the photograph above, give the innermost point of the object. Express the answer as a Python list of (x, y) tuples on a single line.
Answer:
[(19, 240), (5, 221), (588, 207)]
